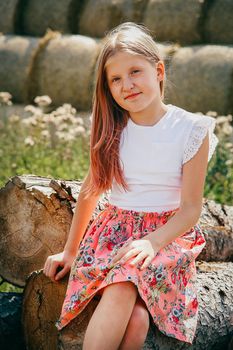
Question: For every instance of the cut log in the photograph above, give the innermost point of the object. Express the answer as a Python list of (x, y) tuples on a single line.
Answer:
[(36, 214), (43, 300), (34, 224), (216, 222)]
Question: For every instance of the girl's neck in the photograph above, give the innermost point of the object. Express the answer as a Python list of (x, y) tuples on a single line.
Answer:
[(150, 116)]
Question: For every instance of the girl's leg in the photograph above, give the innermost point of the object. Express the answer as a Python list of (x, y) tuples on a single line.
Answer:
[(137, 328), (108, 323)]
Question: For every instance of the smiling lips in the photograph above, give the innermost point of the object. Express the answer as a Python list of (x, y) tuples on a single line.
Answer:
[(132, 96)]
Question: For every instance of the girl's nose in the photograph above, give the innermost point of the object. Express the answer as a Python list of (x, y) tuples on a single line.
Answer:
[(127, 84)]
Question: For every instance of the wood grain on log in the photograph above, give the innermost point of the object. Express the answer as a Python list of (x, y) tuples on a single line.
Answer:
[(36, 214), (43, 300), (34, 224)]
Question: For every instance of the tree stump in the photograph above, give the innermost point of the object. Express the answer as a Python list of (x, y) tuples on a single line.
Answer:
[(43, 300)]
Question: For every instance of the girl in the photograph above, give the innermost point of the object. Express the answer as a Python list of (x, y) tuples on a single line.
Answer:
[(153, 157)]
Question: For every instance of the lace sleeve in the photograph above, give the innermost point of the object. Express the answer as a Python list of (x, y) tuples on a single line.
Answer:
[(198, 132)]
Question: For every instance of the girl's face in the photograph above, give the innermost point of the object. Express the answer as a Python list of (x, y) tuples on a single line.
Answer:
[(134, 81)]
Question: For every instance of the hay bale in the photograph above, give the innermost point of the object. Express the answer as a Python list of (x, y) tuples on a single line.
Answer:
[(40, 15), (202, 78), (64, 70), (98, 17), (174, 20), (219, 23), (7, 15), (16, 56)]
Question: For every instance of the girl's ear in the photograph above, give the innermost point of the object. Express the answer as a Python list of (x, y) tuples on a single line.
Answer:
[(160, 70)]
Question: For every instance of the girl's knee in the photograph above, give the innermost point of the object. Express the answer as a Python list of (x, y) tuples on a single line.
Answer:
[(138, 325), (140, 320), (140, 317)]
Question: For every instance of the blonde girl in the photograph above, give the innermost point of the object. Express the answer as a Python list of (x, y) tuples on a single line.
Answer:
[(138, 255)]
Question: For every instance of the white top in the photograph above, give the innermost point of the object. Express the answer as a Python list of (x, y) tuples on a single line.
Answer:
[(152, 158)]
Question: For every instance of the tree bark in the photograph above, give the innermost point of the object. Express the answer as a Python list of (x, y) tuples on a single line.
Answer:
[(43, 300), (36, 214)]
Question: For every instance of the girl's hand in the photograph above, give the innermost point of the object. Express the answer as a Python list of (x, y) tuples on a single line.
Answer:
[(141, 248), (63, 260)]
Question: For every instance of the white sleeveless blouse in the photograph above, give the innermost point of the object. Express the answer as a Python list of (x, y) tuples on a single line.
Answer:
[(152, 159)]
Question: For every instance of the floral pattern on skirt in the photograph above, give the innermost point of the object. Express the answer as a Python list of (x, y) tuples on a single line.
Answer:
[(167, 285)]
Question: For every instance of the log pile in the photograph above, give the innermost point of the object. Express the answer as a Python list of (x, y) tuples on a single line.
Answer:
[(35, 216)]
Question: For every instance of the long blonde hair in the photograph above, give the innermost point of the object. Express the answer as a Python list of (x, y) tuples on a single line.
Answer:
[(108, 118)]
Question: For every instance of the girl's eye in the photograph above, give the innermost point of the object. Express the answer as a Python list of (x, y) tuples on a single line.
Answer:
[(115, 80), (135, 71)]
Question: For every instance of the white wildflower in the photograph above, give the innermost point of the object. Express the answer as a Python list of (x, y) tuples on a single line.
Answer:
[(78, 121), (227, 129), (228, 145), (49, 118), (5, 98), (30, 121), (78, 130), (43, 101), (212, 113), (32, 109), (61, 135), (62, 127), (221, 120), (13, 118), (45, 133), (29, 141), (69, 137)]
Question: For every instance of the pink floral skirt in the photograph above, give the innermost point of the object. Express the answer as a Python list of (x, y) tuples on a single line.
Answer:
[(167, 285)]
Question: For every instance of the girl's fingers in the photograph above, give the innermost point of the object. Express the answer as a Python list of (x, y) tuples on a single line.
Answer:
[(46, 268), (53, 269), (130, 254), (146, 263), (119, 254), (139, 258), (62, 273)]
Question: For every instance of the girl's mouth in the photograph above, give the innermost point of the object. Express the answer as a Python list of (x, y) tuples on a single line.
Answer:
[(132, 96)]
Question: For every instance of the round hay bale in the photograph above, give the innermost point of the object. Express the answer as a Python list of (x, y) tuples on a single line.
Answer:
[(202, 78), (175, 21), (98, 17), (219, 23), (8, 11), (40, 15), (16, 56), (64, 70)]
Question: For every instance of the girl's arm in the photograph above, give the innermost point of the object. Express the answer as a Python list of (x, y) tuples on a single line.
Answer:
[(82, 215), (193, 181)]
